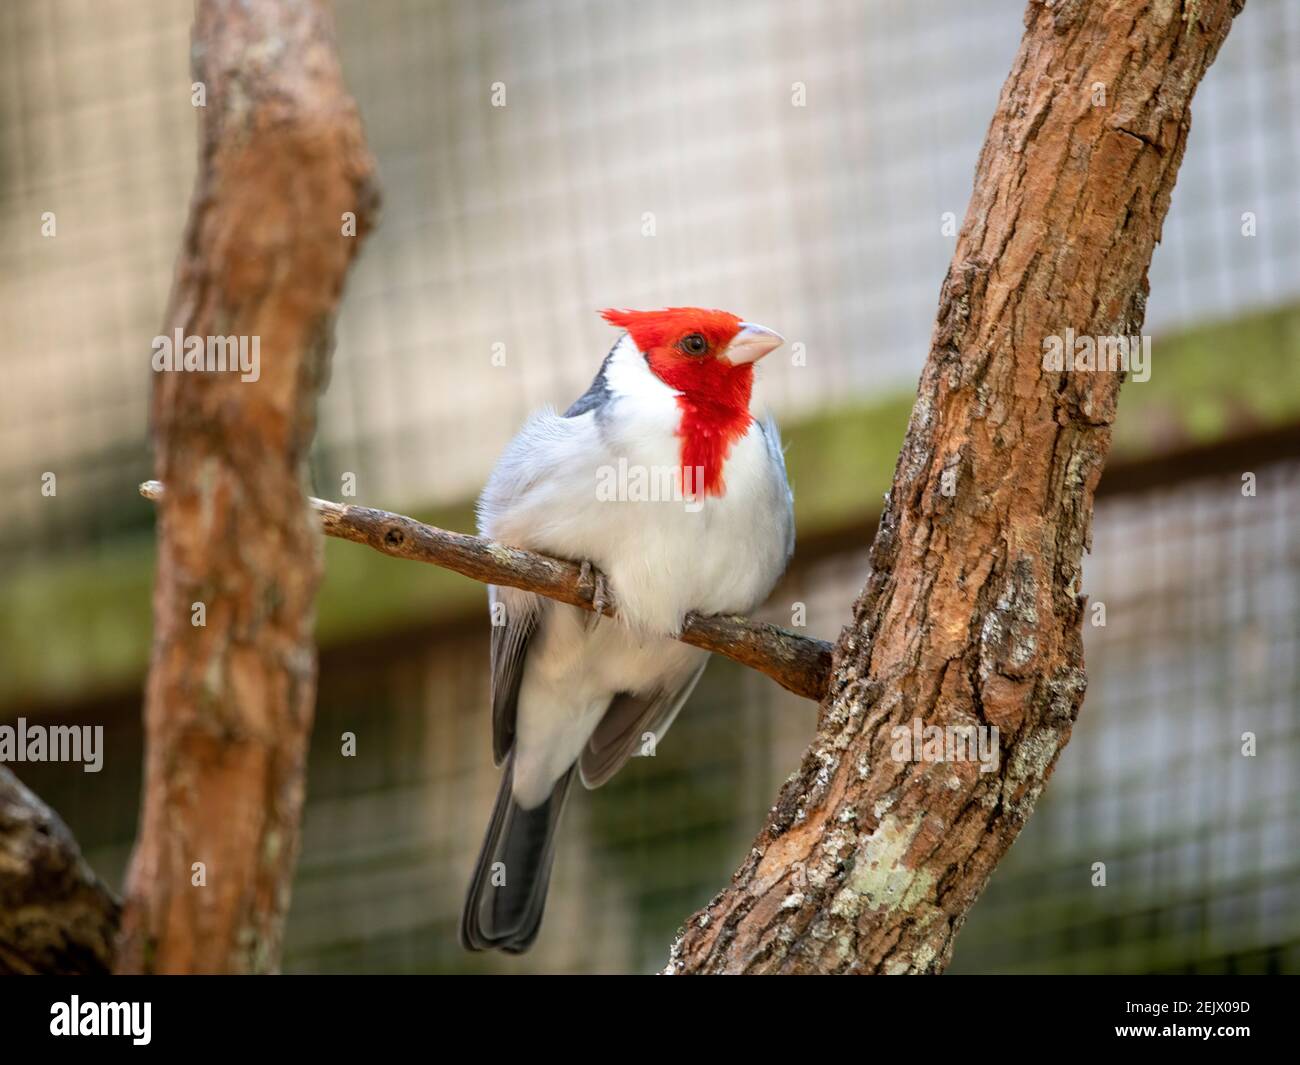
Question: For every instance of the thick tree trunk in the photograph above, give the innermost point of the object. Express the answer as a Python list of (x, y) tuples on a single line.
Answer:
[(56, 915), (229, 702), (972, 614)]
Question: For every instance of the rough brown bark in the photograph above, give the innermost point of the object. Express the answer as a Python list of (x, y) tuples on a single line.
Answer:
[(229, 704), (972, 613), (798, 663), (56, 915)]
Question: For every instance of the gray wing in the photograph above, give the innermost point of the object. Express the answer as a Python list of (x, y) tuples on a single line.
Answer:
[(772, 437), (518, 618), (629, 717), (515, 614), (597, 394), (525, 474)]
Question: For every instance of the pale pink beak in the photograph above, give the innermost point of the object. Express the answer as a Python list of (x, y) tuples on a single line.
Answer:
[(752, 343)]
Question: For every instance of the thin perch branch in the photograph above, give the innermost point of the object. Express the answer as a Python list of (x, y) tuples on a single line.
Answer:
[(798, 663)]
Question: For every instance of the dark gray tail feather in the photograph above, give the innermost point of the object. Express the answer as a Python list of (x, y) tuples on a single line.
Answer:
[(507, 916)]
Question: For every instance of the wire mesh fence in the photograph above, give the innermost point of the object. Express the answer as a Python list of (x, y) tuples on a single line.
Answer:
[(804, 164)]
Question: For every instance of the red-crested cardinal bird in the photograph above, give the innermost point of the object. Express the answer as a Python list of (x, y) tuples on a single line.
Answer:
[(575, 692)]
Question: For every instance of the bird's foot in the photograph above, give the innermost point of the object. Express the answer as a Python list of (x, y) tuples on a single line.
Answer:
[(602, 596)]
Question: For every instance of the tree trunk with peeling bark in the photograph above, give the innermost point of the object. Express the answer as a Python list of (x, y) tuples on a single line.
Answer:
[(56, 916), (283, 168), (972, 613)]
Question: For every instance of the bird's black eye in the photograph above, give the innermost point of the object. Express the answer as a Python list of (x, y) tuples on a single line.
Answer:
[(694, 344)]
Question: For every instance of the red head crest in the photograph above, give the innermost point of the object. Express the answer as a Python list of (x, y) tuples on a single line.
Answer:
[(707, 358), (651, 330)]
